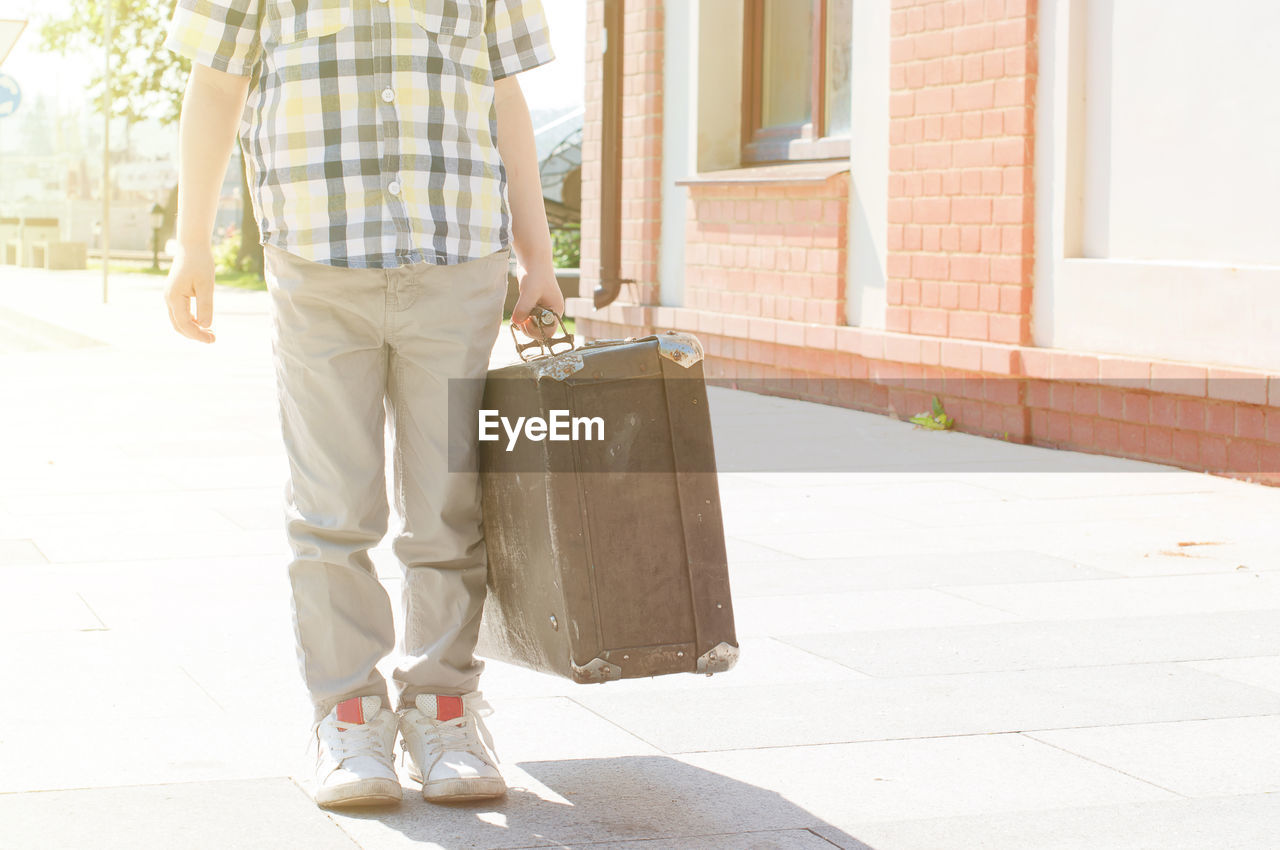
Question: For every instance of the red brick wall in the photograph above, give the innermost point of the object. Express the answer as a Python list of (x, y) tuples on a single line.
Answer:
[(765, 276), (961, 197), (777, 250)]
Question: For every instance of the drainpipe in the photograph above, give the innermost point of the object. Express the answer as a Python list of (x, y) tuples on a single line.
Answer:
[(611, 281)]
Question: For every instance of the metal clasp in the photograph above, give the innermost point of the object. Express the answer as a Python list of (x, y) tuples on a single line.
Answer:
[(544, 318)]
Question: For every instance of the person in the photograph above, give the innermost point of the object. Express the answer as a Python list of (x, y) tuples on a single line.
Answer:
[(392, 170)]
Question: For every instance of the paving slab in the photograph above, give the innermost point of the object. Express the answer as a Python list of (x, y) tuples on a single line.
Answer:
[(1227, 823), (266, 814), (1261, 672), (16, 552), (928, 777), (1130, 597), (860, 610), (1202, 758), (1025, 646), (928, 706), (903, 570)]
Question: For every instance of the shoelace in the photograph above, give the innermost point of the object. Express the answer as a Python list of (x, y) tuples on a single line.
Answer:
[(458, 734), (358, 740)]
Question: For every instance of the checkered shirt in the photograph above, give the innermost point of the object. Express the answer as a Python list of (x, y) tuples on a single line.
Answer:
[(370, 131)]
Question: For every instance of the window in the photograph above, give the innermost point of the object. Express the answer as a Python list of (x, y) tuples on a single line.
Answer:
[(797, 82)]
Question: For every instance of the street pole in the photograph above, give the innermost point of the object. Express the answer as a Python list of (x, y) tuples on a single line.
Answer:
[(106, 144)]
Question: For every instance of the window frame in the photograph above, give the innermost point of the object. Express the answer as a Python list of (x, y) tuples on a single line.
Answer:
[(804, 141)]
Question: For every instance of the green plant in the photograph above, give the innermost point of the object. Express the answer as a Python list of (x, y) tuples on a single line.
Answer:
[(566, 247), (227, 256), (938, 420)]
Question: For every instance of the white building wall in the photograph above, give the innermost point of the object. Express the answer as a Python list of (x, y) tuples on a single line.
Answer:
[(1156, 172)]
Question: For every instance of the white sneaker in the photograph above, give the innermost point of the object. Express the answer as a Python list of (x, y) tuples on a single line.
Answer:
[(450, 748), (355, 759)]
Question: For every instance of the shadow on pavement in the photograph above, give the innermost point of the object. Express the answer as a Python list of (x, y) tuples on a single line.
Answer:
[(636, 802)]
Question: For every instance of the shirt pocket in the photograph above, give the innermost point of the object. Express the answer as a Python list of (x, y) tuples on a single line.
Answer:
[(455, 18), (289, 21)]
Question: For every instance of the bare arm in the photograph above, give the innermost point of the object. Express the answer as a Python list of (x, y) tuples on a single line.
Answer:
[(530, 235), (211, 109)]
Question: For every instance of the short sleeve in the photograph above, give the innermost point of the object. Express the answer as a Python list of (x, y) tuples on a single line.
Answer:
[(518, 36), (222, 34)]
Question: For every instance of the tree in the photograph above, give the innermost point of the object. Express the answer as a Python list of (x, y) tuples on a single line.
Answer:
[(147, 80)]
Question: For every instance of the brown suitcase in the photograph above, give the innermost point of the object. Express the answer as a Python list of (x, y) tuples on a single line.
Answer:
[(607, 556)]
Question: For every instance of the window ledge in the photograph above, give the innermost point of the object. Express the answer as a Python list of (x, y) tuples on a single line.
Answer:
[(783, 172)]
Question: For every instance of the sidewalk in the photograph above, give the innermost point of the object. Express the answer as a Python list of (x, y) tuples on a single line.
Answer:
[(966, 655)]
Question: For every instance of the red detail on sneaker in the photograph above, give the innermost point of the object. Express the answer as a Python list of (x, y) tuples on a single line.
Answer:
[(448, 708), (351, 711)]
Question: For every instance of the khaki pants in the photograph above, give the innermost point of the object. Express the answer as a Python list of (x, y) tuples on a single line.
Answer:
[(356, 349)]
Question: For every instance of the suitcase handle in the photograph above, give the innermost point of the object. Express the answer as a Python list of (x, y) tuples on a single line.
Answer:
[(545, 318)]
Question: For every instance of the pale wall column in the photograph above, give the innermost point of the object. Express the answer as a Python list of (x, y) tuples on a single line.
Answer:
[(869, 166), (679, 141)]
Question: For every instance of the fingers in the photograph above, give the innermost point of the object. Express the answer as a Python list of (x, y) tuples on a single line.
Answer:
[(524, 304), (204, 306), (178, 302)]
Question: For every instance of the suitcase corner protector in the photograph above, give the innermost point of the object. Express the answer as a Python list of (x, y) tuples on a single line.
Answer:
[(718, 659), (596, 670), (680, 348)]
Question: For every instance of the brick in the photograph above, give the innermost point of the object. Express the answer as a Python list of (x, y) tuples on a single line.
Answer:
[(971, 210), (975, 96), (933, 101), (1015, 299), (903, 349), (931, 210), (968, 325), (1066, 366), (1191, 414), (1085, 399), (1186, 448), (1110, 403), (1133, 438), (1232, 385), (975, 38), (790, 333), (1270, 463), (1014, 151), (1124, 372), (1137, 408), (1250, 423), (1179, 379), (1220, 419), (1164, 411), (1106, 435), (1243, 456), (1082, 431), (1160, 443), (999, 360), (975, 154), (1213, 452), (965, 356)]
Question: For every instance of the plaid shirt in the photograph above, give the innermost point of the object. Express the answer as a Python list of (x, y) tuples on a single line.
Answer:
[(370, 131)]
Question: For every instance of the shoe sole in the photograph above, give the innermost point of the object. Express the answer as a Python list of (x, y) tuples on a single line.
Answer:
[(463, 790), (367, 792)]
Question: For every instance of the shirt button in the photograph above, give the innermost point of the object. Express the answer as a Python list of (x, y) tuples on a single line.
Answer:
[(388, 95), (394, 187)]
